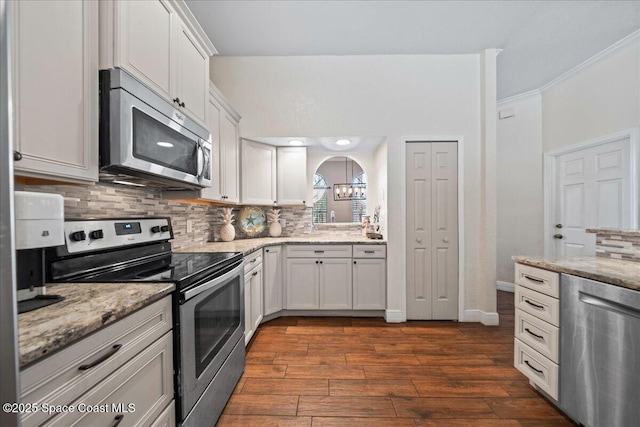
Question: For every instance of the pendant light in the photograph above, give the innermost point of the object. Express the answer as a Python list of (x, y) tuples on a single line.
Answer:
[(349, 190)]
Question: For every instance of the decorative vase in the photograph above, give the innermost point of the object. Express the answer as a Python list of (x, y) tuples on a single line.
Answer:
[(227, 231), (275, 229)]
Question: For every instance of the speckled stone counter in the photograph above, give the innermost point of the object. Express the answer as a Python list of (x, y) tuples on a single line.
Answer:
[(613, 271), (630, 233), (85, 309), (246, 246)]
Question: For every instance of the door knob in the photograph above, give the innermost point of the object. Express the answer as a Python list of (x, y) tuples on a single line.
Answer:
[(418, 240), (558, 236), (558, 225), (445, 239)]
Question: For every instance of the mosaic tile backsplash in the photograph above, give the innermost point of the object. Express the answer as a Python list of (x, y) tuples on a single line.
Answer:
[(111, 201), (618, 246)]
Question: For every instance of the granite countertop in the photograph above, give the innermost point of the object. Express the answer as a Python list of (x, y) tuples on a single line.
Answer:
[(614, 231), (86, 308), (246, 246), (613, 271)]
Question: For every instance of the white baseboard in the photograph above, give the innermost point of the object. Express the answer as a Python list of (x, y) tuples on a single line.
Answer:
[(505, 286), (488, 319), (394, 316)]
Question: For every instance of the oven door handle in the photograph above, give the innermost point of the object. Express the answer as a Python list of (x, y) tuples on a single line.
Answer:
[(213, 283)]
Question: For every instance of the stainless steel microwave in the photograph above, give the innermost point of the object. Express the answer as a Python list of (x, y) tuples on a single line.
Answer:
[(145, 137)]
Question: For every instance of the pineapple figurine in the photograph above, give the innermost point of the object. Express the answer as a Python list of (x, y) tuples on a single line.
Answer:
[(275, 229), (227, 231)]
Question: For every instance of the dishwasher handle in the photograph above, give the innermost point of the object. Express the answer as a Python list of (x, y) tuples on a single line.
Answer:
[(608, 305)]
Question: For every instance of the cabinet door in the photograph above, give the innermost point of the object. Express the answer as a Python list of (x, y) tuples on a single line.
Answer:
[(217, 163), (256, 297), (55, 84), (335, 284), (258, 173), (248, 323), (302, 284), (369, 284), (230, 159), (192, 75), (146, 42), (292, 175), (272, 279)]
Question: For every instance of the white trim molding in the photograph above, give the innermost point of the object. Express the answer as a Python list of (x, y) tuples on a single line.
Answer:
[(459, 139), (549, 178), (395, 316), (505, 286), (517, 98), (487, 319), (635, 36)]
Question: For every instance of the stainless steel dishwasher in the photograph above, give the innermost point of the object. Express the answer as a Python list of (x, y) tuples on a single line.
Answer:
[(599, 353)]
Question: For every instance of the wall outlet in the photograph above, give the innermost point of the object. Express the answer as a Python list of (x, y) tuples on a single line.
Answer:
[(189, 226)]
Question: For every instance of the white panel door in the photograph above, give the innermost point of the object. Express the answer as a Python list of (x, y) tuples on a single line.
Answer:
[(432, 230), (593, 190), (272, 279), (192, 71), (302, 284), (336, 290)]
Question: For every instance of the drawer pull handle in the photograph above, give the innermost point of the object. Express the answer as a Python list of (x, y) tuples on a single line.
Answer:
[(255, 273), (98, 361), (369, 252), (117, 420), (533, 279), (541, 307), (318, 252), (535, 335), (253, 260), (529, 365)]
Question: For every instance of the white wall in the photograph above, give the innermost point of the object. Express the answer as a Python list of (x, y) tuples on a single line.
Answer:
[(378, 189), (370, 96), (519, 173), (598, 100)]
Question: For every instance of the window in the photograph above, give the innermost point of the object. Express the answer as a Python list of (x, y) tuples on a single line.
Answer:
[(320, 188), (359, 207)]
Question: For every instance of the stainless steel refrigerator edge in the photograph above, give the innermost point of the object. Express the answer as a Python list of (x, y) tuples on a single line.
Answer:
[(599, 353), (9, 386)]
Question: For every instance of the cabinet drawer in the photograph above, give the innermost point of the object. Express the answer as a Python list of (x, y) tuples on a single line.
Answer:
[(540, 370), (544, 281), (539, 335), (319, 251), (539, 305), (252, 260), (139, 391), (369, 251), (59, 379), (167, 418)]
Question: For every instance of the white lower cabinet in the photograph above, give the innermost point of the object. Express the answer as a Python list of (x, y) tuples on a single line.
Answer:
[(272, 279), (253, 284), (369, 284), (335, 284), (303, 284), (128, 362)]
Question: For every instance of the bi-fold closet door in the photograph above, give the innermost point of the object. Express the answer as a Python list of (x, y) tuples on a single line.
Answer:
[(432, 230)]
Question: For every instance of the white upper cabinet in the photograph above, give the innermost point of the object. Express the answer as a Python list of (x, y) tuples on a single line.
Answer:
[(55, 89), (163, 46), (230, 158), (292, 175), (258, 173)]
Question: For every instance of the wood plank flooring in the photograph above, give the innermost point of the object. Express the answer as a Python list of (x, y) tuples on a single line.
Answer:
[(334, 372)]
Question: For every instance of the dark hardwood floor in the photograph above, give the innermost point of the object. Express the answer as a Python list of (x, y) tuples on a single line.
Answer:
[(364, 372)]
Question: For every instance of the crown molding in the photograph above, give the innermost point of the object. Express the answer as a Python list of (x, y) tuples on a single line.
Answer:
[(517, 98), (635, 36)]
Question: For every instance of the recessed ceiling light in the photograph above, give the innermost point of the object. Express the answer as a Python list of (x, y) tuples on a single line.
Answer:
[(343, 142), (164, 144), (295, 142)]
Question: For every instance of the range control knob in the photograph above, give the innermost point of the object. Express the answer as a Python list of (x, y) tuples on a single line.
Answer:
[(164, 228), (155, 229), (96, 234), (78, 236)]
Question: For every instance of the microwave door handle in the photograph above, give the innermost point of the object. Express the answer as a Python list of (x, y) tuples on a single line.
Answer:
[(200, 160)]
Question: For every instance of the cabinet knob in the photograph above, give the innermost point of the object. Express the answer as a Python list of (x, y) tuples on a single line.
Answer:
[(304, 202), (176, 100), (316, 262), (354, 262), (182, 104), (17, 156), (320, 262), (266, 250)]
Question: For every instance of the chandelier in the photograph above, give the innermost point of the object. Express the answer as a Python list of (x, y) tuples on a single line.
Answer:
[(349, 190)]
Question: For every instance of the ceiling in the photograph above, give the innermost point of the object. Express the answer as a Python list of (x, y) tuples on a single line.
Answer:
[(357, 143), (540, 39)]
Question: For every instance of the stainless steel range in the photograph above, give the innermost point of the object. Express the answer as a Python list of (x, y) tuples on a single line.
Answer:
[(208, 304)]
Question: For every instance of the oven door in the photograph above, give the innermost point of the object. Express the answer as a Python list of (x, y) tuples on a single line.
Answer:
[(145, 140), (211, 324)]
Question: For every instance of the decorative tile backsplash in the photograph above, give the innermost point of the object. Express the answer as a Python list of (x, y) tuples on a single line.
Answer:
[(111, 201), (624, 246)]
